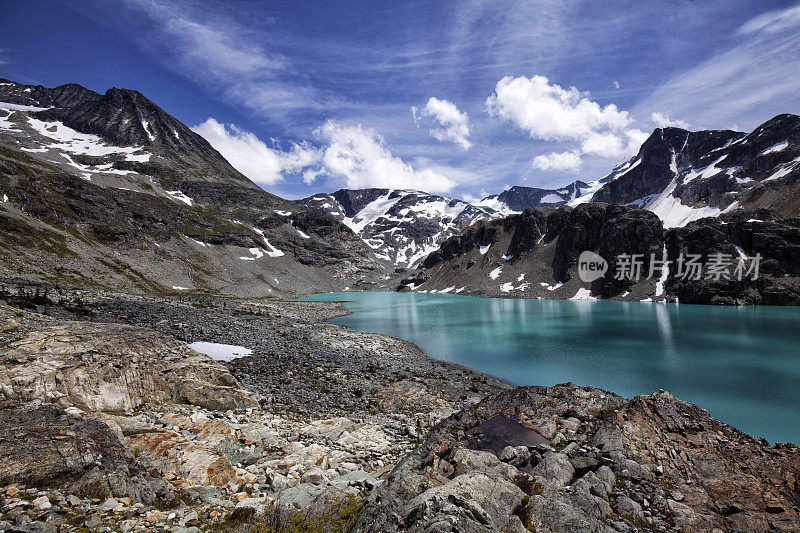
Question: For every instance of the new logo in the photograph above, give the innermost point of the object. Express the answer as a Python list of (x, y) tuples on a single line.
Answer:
[(591, 266)]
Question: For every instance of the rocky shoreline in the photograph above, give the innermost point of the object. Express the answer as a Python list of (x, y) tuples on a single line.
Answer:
[(319, 413), (111, 423)]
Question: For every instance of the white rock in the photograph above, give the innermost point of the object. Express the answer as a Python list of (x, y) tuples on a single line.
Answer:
[(315, 475), (41, 503)]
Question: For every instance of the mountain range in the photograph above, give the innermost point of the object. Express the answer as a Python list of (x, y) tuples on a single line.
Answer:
[(110, 190), (679, 175)]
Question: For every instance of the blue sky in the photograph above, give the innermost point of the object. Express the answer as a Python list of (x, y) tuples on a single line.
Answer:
[(463, 98)]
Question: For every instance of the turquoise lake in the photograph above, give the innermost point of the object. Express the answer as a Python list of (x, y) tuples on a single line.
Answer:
[(742, 364)]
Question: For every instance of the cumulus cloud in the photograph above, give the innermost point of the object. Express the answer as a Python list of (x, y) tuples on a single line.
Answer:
[(635, 139), (359, 156), (356, 155), (551, 113), (250, 156), (454, 123), (663, 121), (558, 162)]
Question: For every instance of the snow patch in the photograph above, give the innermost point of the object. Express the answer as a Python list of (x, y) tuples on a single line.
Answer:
[(508, 287), (495, 273), (178, 196), (496, 205), (257, 254), (484, 249), (776, 148), (583, 294), (18, 107), (146, 126), (704, 172), (674, 213), (787, 168), (552, 287), (551, 199), (69, 140), (271, 250), (220, 352)]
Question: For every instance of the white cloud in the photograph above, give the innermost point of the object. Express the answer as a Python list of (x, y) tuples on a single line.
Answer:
[(551, 113), (747, 83), (635, 139), (455, 124), (359, 156), (602, 144), (663, 121), (356, 155), (250, 156), (558, 162)]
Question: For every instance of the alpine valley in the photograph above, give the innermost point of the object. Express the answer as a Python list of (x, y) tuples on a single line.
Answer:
[(155, 374)]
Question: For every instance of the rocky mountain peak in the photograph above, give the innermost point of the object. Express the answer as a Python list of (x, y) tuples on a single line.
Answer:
[(354, 200), (124, 175), (401, 226), (518, 198)]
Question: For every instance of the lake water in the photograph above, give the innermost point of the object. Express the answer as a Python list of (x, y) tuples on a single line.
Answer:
[(740, 363)]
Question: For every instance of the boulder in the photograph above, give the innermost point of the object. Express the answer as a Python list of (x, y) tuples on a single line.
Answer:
[(113, 367), (515, 455), (47, 447)]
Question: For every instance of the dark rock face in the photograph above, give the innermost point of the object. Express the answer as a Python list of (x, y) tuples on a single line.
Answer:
[(608, 230), (532, 226), (582, 459), (753, 232), (522, 245), (655, 170), (519, 198), (713, 169), (480, 234), (40, 96), (46, 447), (126, 118)]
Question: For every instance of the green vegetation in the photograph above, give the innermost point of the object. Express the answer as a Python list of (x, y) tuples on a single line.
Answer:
[(339, 517), (95, 490)]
